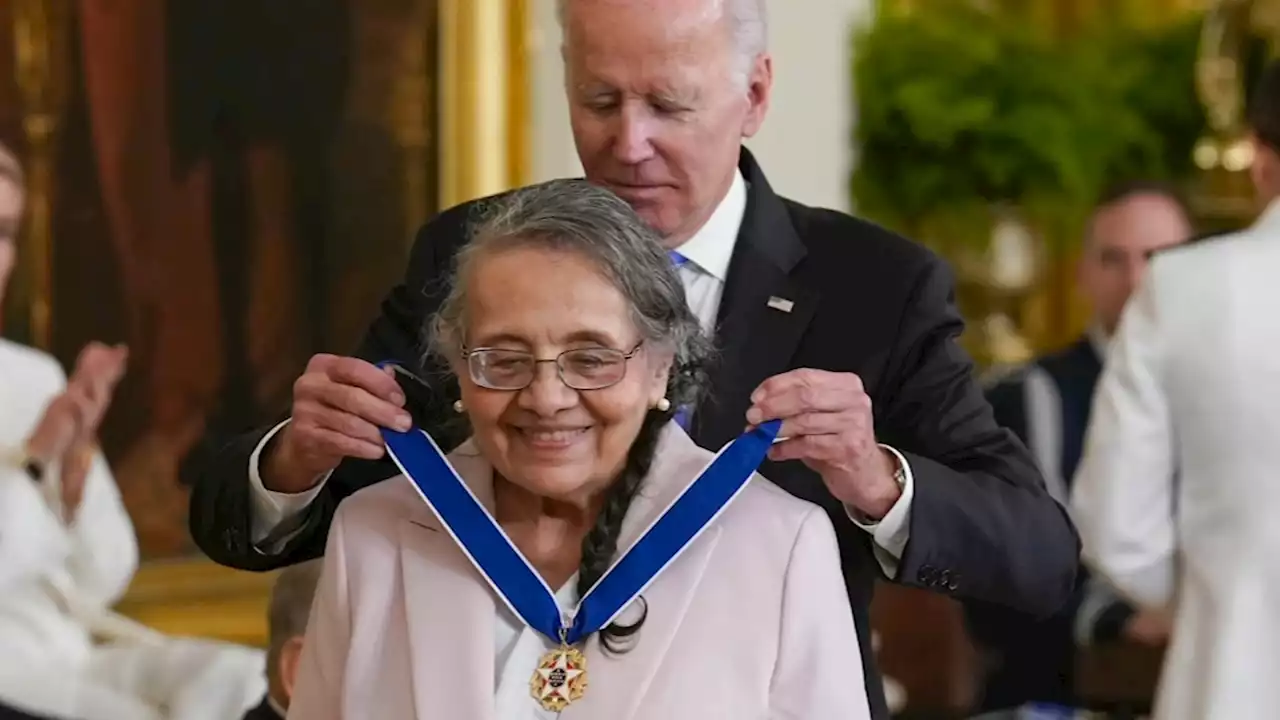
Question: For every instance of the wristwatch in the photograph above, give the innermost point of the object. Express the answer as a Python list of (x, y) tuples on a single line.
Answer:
[(900, 473), (899, 466)]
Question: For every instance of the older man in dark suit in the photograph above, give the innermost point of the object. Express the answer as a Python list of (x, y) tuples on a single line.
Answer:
[(840, 328)]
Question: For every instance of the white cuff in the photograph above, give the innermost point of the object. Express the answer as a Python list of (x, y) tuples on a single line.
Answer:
[(273, 513), (894, 529)]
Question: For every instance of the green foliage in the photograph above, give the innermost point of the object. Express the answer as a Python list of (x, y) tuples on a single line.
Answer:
[(960, 108), (1155, 70)]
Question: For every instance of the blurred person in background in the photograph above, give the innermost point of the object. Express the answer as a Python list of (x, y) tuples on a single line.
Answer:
[(841, 329), (12, 559), (1177, 492), (1046, 403), (287, 613), (68, 550)]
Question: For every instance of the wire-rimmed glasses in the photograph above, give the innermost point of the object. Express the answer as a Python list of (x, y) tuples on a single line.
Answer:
[(592, 368)]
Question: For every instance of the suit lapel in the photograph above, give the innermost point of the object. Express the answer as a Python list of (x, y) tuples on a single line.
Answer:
[(450, 614), (763, 312), (618, 683)]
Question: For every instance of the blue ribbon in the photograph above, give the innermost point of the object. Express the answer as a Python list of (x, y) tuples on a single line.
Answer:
[(515, 580)]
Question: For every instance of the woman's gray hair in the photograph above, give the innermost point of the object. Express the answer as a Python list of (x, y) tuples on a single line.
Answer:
[(575, 216)]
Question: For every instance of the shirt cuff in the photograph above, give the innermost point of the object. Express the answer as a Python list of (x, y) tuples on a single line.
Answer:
[(276, 517), (894, 529)]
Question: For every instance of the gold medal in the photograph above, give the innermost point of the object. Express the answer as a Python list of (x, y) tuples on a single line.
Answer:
[(561, 677)]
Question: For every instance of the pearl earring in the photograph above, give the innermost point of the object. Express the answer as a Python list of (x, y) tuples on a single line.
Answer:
[(458, 407), (663, 405)]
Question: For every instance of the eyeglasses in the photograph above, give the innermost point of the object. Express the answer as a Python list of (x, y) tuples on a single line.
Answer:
[(580, 368)]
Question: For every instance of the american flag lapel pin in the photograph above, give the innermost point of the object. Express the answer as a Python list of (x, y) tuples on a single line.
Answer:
[(781, 304)]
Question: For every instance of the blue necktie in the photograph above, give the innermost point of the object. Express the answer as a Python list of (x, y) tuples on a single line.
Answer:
[(683, 415)]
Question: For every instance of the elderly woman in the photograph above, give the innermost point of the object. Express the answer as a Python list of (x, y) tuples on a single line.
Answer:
[(574, 348)]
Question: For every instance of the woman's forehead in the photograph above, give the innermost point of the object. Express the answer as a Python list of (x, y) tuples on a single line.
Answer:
[(533, 295)]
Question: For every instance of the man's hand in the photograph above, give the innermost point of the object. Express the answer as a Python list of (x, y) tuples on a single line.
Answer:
[(1149, 627), (827, 422), (339, 404)]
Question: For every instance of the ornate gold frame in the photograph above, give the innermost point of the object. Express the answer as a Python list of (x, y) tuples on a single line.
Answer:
[(484, 111), (40, 37)]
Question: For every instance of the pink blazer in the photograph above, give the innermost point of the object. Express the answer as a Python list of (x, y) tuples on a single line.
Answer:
[(751, 622)]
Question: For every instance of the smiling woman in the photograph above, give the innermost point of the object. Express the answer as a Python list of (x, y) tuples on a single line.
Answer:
[(624, 345), (602, 542)]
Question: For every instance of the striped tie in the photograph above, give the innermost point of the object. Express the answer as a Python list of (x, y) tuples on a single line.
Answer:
[(683, 415)]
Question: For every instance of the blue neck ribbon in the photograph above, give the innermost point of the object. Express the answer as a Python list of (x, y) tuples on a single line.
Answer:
[(514, 579)]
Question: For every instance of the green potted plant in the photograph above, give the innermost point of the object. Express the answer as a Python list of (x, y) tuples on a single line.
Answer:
[(962, 111)]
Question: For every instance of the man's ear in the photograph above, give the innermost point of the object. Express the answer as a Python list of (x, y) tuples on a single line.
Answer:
[(290, 657), (759, 92)]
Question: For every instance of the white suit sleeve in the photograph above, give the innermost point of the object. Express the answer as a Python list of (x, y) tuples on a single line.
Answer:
[(819, 666), (104, 547), (33, 542), (318, 694), (1122, 497)]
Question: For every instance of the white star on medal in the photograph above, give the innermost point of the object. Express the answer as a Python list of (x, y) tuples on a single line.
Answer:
[(559, 679)]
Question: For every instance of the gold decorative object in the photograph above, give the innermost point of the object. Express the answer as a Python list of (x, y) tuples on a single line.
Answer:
[(1224, 194), (995, 281), (40, 36), (561, 678), (482, 117)]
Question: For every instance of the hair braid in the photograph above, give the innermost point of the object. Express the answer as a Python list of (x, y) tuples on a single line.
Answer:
[(601, 544)]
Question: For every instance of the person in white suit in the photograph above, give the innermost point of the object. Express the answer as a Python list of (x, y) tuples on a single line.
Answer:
[(1177, 495), (568, 329), (68, 551)]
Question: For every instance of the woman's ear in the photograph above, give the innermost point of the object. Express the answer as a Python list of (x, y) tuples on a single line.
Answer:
[(663, 366)]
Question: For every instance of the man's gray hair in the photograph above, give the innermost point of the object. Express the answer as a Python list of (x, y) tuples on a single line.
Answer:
[(575, 216), (748, 22), (290, 604)]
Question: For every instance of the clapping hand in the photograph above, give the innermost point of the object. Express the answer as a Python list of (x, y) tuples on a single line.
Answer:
[(827, 424), (68, 430)]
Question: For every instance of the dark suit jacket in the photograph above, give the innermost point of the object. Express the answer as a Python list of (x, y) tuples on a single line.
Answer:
[(1033, 659), (12, 713), (865, 301), (263, 711)]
